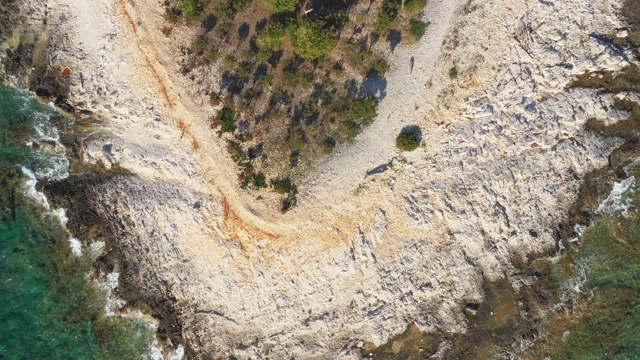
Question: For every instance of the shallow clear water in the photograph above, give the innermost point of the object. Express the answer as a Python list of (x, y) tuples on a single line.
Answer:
[(49, 307)]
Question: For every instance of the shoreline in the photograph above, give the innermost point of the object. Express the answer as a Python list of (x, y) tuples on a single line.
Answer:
[(375, 230)]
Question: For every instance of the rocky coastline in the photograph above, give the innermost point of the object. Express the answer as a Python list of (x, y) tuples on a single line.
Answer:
[(191, 255)]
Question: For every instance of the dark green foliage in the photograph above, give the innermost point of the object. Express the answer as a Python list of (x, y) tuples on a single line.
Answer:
[(380, 67), (284, 186), (355, 109), (191, 9), (255, 181), (281, 6), (244, 70), (417, 29), (171, 15), (453, 73), (297, 139), (214, 99), (352, 129), (312, 40), (229, 60), (225, 120), (408, 140), (264, 80), (387, 17), (328, 145), (239, 5), (213, 55), (198, 45), (224, 29), (294, 77), (271, 38), (414, 5)]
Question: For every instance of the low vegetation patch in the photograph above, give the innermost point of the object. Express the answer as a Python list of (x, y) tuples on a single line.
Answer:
[(409, 138), (292, 82)]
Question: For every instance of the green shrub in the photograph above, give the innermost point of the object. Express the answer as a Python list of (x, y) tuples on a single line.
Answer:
[(225, 121), (214, 99), (453, 73), (198, 45), (265, 55), (386, 17), (408, 140), (239, 5), (352, 129), (312, 41), (364, 108), (264, 80), (414, 5), (380, 67), (255, 181), (328, 145), (271, 38), (284, 186), (213, 55), (281, 6), (191, 8), (171, 15), (294, 77), (417, 29), (355, 109), (229, 60), (297, 139), (224, 28)]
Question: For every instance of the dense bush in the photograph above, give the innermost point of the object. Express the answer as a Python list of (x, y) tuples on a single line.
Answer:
[(191, 9), (255, 181), (417, 29), (408, 139), (453, 73), (225, 120), (312, 40), (198, 45), (386, 17), (355, 109), (414, 5), (352, 129), (380, 67), (271, 38), (284, 186), (281, 6)]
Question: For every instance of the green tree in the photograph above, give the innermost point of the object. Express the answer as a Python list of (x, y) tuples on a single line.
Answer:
[(281, 6), (312, 40), (408, 139), (271, 38), (417, 29), (191, 8)]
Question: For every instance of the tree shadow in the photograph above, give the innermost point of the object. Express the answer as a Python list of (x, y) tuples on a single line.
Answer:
[(351, 87), (261, 70), (232, 82), (374, 85), (243, 32), (274, 60), (394, 38), (413, 130), (209, 23)]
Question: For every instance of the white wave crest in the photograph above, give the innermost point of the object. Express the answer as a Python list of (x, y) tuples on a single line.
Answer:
[(76, 246), (620, 199), (31, 191)]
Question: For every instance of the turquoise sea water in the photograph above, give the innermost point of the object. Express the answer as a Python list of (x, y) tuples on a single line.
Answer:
[(50, 308)]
